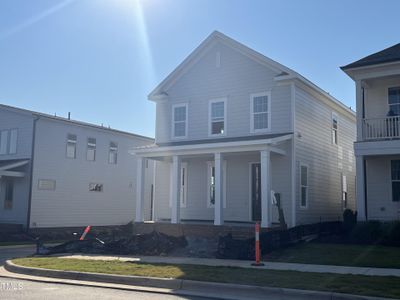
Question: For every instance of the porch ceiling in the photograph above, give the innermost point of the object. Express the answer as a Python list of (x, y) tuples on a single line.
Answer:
[(7, 166)]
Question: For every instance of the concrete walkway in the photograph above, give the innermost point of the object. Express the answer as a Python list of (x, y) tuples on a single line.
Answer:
[(247, 264)]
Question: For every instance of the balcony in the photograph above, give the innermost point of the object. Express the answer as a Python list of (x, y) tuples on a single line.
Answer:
[(387, 128)]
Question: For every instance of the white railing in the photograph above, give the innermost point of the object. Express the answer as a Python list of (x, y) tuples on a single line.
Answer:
[(381, 128)]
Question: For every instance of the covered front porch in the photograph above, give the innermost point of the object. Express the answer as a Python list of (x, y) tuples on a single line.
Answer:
[(224, 183)]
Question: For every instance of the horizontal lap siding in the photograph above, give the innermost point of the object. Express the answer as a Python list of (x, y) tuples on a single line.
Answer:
[(236, 78), (315, 148), (71, 204)]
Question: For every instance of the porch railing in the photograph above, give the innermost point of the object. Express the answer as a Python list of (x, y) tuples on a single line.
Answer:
[(381, 128)]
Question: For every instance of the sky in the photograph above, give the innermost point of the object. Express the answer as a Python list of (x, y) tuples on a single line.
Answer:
[(99, 59)]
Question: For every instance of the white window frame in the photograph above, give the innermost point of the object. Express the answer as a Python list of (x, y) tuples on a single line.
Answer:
[(335, 138), (40, 187), (252, 96), (12, 145), (388, 88), (88, 148), (345, 194), (209, 165), (4, 138), (113, 150), (210, 134), (73, 142), (301, 186), (185, 105)]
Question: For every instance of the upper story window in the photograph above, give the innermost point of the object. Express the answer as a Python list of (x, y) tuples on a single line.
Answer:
[(8, 141), (260, 115), (395, 170), (91, 149), (113, 153), (179, 121), (334, 129), (394, 100), (71, 146), (217, 117)]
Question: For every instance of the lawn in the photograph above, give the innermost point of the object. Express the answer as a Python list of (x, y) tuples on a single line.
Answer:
[(339, 254), (353, 284)]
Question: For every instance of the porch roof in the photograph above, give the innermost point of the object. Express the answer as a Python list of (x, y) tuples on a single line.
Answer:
[(8, 165), (237, 144)]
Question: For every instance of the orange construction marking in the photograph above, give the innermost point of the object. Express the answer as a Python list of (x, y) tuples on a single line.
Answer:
[(258, 252), (87, 229)]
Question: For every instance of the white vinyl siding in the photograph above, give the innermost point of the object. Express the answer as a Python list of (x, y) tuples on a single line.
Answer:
[(217, 117), (260, 112), (179, 121), (303, 186)]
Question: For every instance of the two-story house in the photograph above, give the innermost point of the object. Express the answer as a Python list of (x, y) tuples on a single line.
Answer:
[(236, 132), (377, 148), (57, 172)]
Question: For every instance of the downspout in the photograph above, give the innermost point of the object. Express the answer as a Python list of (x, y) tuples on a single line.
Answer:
[(31, 174)]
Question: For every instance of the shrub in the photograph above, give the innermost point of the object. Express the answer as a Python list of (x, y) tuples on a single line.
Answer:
[(392, 233), (349, 220), (367, 233)]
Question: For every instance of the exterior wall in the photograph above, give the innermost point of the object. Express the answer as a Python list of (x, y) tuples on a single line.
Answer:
[(238, 197), (326, 161), (376, 97), (379, 189), (236, 79), (71, 203), (24, 123)]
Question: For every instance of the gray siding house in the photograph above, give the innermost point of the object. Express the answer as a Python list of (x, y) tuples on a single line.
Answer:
[(56, 172), (236, 132), (377, 148)]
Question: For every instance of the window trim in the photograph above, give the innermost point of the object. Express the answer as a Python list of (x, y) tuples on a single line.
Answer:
[(388, 88), (9, 141), (87, 148), (210, 102), (44, 179), (173, 121), (391, 181), (335, 115), (66, 146), (109, 152), (307, 186), (209, 165), (252, 96)]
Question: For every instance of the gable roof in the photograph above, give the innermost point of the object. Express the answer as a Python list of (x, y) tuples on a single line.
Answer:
[(285, 73), (391, 54)]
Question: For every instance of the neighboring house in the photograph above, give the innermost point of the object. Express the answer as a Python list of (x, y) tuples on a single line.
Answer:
[(377, 149), (231, 127), (56, 172)]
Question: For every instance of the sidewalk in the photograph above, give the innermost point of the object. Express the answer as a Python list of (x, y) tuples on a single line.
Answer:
[(247, 264)]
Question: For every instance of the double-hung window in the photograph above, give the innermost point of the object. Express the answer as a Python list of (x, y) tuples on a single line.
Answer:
[(179, 120), (260, 114), (394, 100), (217, 117), (395, 170), (91, 149), (71, 146), (113, 153), (8, 141), (303, 186), (334, 129)]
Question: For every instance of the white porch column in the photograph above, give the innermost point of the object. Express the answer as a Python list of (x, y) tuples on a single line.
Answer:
[(265, 162), (360, 189), (360, 109), (175, 189), (140, 177), (219, 203)]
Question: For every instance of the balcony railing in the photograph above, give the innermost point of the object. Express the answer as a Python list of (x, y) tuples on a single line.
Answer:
[(381, 128)]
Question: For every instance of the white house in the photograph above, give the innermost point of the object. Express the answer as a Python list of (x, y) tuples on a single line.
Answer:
[(377, 148), (56, 172), (233, 126)]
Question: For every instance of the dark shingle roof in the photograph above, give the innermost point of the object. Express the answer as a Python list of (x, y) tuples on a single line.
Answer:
[(387, 55)]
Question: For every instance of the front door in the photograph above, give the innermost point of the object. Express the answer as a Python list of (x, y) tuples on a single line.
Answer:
[(256, 191)]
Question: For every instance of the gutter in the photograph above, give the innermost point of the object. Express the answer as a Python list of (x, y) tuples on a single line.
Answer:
[(28, 219)]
